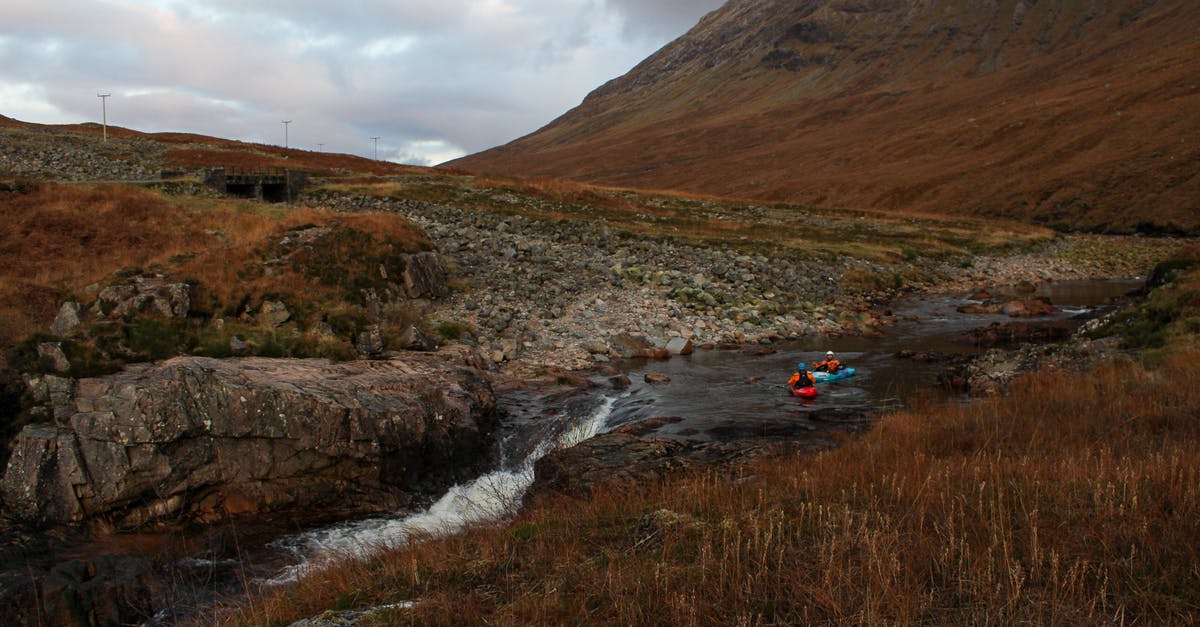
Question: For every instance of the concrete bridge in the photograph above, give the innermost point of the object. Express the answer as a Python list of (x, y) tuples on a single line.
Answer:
[(271, 184)]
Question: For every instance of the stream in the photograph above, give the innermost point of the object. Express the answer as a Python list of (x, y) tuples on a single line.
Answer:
[(712, 395), (716, 394)]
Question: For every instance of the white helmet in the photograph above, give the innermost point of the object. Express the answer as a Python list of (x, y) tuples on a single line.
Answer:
[(829, 353)]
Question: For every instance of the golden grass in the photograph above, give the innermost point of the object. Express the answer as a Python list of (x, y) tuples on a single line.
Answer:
[(56, 240), (1076, 500)]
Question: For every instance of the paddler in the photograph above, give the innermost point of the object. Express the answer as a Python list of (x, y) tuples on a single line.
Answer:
[(830, 365), (802, 378)]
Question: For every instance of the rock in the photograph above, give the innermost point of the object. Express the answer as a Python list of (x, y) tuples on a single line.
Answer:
[(620, 382), (679, 346), (656, 378), (622, 459), (200, 439), (273, 314), (655, 353), (643, 427), (111, 590), (67, 318), (413, 339), (51, 354), (425, 275), (144, 294), (629, 345), (369, 343), (1029, 307)]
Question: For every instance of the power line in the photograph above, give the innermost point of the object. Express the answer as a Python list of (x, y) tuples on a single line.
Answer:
[(104, 112)]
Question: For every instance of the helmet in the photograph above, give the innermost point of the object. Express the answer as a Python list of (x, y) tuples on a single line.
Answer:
[(800, 366), (829, 353)]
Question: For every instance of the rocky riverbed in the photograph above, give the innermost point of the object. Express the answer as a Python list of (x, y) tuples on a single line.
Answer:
[(540, 295)]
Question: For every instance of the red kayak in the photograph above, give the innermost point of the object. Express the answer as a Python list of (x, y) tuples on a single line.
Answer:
[(807, 391)]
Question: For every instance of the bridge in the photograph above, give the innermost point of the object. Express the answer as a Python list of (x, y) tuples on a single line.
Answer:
[(270, 184)]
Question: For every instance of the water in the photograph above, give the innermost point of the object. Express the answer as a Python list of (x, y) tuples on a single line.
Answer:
[(717, 395), (487, 499)]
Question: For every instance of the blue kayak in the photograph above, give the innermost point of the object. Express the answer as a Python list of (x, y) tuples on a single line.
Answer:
[(841, 374)]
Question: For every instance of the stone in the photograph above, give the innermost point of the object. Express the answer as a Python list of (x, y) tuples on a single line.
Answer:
[(201, 439), (369, 343), (413, 339), (67, 318), (680, 346), (273, 314), (51, 354), (425, 275), (656, 378)]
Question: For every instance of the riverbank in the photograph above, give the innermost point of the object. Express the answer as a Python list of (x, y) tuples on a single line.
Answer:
[(1069, 500)]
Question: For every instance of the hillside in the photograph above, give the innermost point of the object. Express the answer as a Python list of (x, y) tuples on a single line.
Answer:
[(1076, 114)]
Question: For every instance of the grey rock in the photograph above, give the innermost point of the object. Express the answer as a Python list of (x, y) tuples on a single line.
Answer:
[(67, 318), (200, 439), (273, 313), (51, 353)]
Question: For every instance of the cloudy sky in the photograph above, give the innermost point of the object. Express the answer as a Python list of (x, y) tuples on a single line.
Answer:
[(434, 79)]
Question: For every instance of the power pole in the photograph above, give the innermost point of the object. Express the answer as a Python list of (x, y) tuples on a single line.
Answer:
[(104, 112), (285, 132), (320, 147), (376, 147)]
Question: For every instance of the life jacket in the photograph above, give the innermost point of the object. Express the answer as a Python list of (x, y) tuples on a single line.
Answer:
[(808, 379), (829, 365)]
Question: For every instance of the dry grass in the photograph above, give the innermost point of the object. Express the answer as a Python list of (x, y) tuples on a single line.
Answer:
[(1074, 501), (58, 239)]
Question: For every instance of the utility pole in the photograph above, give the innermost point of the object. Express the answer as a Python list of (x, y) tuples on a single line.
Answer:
[(320, 147), (376, 147), (104, 112), (285, 132)]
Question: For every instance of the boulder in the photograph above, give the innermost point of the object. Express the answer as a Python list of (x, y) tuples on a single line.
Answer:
[(273, 314), (144, 294), (67, 318), (425, 275), (680, 346), (200, 439)]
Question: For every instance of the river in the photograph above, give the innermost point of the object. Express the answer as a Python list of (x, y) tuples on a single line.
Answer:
[(715, 394)]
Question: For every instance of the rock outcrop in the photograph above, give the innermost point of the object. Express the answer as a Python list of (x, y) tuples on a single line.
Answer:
[(200, 439)]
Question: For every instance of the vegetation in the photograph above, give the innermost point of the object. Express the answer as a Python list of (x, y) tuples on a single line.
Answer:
[(1074, 500), (1170, 316), (780, 230)]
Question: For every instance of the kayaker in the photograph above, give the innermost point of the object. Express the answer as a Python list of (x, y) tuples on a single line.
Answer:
[(830, 365), (802, 377)]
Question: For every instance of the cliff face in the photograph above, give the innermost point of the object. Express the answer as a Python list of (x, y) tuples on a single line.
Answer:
[(199, 439), (1069, 112)]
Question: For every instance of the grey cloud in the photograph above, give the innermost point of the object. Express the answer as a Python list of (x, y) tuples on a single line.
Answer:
[(662, 18), (456, 75)]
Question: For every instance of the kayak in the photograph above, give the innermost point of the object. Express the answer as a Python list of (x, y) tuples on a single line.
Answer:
[(807, 391), (840, 374)]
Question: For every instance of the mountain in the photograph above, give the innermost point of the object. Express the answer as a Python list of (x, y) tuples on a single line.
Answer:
[(1080, 114)]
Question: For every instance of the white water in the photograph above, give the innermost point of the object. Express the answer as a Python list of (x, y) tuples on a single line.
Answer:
[(490, 498)]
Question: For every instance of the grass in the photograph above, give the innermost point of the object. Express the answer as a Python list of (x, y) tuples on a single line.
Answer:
[(778, 230), (1074, 500)]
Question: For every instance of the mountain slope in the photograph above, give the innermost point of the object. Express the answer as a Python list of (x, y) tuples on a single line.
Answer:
[(1075, 113)]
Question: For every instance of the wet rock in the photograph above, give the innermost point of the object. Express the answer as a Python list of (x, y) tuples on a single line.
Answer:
[(656, 378), (680, 346), (113, 590), (620, 382), (643, 427), (617, 459), (200, 439)]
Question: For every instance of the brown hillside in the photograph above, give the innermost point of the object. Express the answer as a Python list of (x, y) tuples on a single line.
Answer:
[(1075, 113)]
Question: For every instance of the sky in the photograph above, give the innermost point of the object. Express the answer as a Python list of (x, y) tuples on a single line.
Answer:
[(432, 79)]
